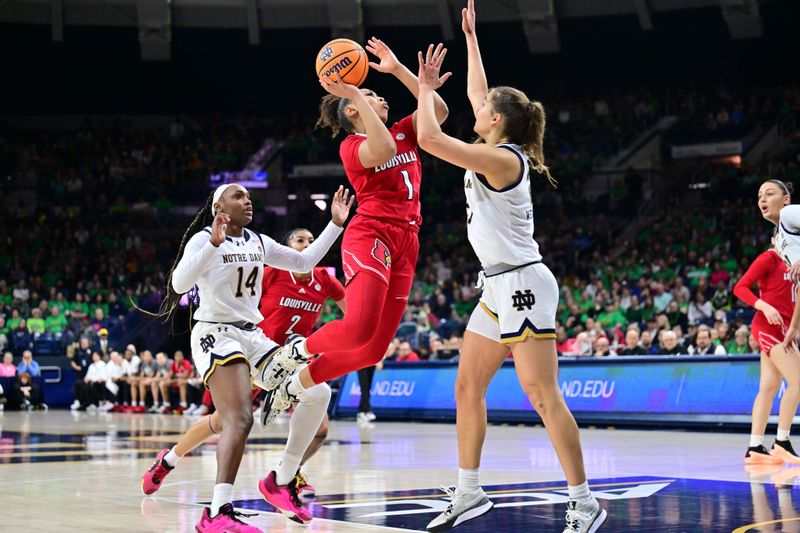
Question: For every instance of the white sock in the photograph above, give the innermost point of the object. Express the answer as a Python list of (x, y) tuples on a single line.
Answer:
[(783, 434), (287, 467), (183, 404), (223, 493), (141, 403), (756, 440), (301, 347), (468, 480), (579, 492), (172, 458), (303, 426), (296, 387)]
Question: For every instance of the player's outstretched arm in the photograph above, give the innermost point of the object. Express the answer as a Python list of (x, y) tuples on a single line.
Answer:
[(477, 87), (389, 64), (286, 258), (500, 166)]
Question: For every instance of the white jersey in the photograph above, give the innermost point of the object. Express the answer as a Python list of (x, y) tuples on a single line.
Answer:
[(228, 277), (787, 237), (500, 222)]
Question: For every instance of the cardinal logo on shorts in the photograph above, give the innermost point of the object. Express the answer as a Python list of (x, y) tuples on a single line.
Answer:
[(400, 136), (381, 253), (523, 300)]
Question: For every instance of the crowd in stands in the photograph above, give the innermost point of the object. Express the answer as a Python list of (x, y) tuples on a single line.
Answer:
[(77, 258)]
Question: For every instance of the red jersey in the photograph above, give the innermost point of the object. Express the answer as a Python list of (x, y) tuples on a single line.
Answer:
[(290, 305), (774, 287), (184, 370), (391, 190)]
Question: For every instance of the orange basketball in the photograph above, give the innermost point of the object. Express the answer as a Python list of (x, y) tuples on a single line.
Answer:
[(345, 57)]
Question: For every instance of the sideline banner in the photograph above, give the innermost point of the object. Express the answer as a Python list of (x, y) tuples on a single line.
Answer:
[(624, 388)]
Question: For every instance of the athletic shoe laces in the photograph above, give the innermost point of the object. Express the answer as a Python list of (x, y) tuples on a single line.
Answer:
[(234, 515), (451, 493)]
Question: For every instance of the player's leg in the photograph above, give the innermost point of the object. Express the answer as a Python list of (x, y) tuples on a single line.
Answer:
[(317, 441), (536, 361), (280, 488), (769, 382), (480, 358), (788, 364), (199, 432)]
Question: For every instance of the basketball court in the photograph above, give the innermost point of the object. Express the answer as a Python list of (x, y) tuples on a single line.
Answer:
[(81, 472)]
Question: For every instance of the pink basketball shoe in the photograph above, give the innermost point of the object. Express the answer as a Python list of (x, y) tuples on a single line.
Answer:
[(226, 521), (151, 480), (285, 499)]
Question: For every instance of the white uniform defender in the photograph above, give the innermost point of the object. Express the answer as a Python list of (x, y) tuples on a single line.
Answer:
[(228, 279), (520, 294)]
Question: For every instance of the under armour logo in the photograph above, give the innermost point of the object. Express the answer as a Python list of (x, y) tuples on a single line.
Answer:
[(207, 342), (523, 300)]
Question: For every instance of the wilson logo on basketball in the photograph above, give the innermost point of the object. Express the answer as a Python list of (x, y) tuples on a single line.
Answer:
[(344, 62), (326, 53)]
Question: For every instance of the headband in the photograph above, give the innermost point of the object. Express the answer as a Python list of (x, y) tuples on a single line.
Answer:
[(781, 184), (217, 195)]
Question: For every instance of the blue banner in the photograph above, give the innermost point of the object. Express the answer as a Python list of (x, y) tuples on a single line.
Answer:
[(618, 387)]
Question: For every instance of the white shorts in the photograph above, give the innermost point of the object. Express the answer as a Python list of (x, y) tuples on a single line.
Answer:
[(218, 344), (516, 305)]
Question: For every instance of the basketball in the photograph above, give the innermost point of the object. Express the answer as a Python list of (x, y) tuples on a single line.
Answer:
[(345, 57)]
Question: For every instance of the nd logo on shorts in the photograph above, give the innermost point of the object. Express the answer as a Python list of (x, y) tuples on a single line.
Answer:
[(381, 253)]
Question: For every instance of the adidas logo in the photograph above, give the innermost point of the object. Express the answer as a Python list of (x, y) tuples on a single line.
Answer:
[(302, 290)]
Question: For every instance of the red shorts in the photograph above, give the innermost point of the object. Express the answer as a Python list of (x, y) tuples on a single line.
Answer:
[(389, 251), (767, 335)]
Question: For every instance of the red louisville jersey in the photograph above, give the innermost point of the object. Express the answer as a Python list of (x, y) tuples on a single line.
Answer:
[(389, 191), (774, 286), (290, 305)]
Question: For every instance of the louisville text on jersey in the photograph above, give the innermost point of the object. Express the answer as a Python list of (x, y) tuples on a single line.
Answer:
[(294, 303), (407, 157)]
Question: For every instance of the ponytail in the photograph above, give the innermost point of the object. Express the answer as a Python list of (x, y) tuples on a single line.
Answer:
[(331, 115), (534, 147), (171, 298), (524, 125)]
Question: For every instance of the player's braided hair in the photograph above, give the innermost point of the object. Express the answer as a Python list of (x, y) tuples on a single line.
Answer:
[(332, 115), (171, 298), (524, 125)]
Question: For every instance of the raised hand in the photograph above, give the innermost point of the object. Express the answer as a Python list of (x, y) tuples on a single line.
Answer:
[(430, 65), (468, 18), (334, 85), (218, 228), (340, 205), (378, 48)]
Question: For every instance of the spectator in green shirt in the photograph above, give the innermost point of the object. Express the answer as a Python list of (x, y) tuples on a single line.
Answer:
[(56, 322), (79, 309), (36, 322), (13, 322), (611, 316)]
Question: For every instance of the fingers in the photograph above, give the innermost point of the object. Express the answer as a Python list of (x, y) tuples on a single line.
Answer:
[(428, 54), (351, 200), (444, 78)]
